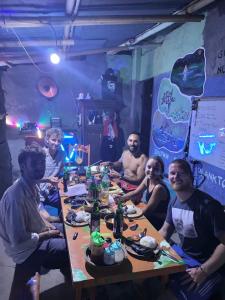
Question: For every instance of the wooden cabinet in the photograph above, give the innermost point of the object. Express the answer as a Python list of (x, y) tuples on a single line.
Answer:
[(91, 122)]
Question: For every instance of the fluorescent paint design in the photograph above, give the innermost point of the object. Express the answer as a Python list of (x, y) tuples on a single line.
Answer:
[(206, 148), (71, 154), (68, 136), (207, 136), (63, 149), (221, 132)]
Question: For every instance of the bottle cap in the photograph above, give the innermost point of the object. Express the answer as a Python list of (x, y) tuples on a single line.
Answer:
[(97, 239)]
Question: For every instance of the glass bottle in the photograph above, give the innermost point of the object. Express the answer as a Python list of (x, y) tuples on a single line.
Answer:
[(104, 195), (118, 222), (65, 179), (88, 177), (95, 217)]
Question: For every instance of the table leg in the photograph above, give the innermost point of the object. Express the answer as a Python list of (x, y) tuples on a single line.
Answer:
[(92, 293), (78, 293), (164, 280)]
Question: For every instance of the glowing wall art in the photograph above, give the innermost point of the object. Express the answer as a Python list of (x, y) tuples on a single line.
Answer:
[(171, 119), (188, 73), (167, 134), (172, 103), (207, 138)]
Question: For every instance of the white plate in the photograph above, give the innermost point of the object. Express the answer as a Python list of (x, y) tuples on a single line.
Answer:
[(137, 214)]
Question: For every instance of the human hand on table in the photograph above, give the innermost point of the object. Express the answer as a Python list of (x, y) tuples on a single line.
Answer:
[(114, 174), (194, 277), (118, 198)]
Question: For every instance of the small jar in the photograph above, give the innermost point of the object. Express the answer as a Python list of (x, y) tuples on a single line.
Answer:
[(97, 247), (109, 256), (118, 251)]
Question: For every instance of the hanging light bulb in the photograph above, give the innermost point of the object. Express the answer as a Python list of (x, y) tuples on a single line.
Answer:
[(55, 58)]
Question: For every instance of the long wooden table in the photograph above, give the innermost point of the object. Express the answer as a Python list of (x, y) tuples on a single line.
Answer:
[(84, 276)]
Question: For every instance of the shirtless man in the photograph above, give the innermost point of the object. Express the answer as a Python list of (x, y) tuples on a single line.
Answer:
[(132, 161)]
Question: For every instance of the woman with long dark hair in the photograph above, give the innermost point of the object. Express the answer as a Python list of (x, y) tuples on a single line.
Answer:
[(157, 194)]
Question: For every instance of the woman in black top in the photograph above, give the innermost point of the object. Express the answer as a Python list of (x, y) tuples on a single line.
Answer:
[(157, 194)]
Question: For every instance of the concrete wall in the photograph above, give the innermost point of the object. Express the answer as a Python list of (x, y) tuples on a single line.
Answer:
[(25, 103), (179, 42)]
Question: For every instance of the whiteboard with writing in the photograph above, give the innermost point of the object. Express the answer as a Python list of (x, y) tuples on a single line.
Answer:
[(207, 134)]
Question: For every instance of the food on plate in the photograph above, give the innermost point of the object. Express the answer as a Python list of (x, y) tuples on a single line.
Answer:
[(148, 241), (130, 209), (82, 216), (77, 217)]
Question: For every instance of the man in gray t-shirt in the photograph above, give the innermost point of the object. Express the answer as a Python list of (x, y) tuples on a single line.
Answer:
[(199, 221)]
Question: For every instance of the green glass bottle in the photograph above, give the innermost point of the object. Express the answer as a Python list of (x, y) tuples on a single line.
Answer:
[(118, 222), (65, 179), (95, 217)]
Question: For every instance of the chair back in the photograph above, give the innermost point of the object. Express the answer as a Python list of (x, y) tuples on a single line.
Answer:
[(80, 151)]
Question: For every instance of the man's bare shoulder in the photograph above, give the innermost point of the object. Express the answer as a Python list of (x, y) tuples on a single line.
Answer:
[(125, 152), (143, 158)]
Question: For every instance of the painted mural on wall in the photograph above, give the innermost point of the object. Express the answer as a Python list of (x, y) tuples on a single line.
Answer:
[(172, 103), (167, 134), (171, 119), (188, 73), (173, 112)]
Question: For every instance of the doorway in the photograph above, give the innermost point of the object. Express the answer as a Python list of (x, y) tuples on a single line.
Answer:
[(146, 113)]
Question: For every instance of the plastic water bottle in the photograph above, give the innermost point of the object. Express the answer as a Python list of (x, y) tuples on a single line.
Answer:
[(104, 196), (105, 181)]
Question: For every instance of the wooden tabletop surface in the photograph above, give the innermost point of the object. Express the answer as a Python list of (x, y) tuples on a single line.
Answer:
[(86, 276)]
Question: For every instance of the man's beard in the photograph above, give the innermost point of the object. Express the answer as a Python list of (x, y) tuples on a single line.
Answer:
[(133, 149)]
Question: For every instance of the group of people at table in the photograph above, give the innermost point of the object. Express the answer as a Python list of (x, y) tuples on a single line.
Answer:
[(34, 239)]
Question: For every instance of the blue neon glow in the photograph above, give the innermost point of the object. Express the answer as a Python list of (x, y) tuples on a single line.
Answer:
[(63, 149), (207, 136), (206, 148), (68, 136), (67, 158), (71, 154)]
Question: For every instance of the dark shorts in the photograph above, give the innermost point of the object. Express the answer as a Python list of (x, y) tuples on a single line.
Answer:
[(204, 291)]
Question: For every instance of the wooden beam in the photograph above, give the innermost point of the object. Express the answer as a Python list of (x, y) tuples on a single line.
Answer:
[(36, 43), (97, 21), (37, 58)]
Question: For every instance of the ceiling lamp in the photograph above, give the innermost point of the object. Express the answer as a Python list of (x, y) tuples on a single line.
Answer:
[(55, 58)]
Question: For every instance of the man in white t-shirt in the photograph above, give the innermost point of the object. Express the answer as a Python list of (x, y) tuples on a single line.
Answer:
[(29, 240)]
